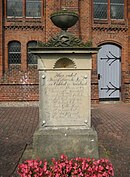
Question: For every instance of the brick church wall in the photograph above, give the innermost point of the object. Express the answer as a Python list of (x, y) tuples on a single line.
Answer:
[(42, 29), (1, 39), (127, 78)]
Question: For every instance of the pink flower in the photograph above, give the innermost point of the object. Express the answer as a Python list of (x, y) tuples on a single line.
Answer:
[(75, 167)]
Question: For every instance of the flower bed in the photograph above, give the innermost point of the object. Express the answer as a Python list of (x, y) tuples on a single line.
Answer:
[(75, 167)]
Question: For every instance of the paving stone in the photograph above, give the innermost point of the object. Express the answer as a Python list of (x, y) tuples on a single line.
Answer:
[(112, 122)]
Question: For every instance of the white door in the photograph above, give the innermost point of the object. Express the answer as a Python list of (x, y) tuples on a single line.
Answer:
[(109, 72)]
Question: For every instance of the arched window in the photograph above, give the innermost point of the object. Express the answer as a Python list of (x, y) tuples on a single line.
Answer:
[(32, 59), (14, 52)]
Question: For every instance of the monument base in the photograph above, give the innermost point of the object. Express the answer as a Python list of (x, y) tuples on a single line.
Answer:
[(73, 142)]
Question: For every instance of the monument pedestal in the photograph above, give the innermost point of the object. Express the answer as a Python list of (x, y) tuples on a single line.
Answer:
[(73, 142), (65, 104)]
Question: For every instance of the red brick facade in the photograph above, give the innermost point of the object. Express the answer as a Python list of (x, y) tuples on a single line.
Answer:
[(127, 79), (1, 39), (12, 84)]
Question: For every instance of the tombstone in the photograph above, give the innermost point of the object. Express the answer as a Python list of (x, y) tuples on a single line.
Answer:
[(64, 65)]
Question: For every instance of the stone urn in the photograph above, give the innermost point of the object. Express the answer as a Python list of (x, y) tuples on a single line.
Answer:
[(64, 19)]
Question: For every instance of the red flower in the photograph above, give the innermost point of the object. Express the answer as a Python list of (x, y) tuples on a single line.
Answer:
[(75, 167)]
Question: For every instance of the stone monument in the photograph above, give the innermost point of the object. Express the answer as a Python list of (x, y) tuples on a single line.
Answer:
[(64, 66)]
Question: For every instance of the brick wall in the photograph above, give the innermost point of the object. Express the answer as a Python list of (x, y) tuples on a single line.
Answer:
[(1, 38), (19, 92), (127, 78), (25, 30), (129, 31), (19, 85)]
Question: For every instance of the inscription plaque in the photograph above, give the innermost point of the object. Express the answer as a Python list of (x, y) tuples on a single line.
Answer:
[(66, 98)]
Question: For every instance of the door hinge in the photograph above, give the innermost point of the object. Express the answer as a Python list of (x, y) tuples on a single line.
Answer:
[(99, 76)]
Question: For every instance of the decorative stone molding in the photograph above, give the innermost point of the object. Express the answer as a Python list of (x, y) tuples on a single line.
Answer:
[(24, 27), (114, 28), (65, 63), (64, 39)]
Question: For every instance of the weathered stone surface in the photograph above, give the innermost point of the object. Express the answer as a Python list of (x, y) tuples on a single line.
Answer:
[(65, 104), (65, 39), (66, 98), (73, 142)]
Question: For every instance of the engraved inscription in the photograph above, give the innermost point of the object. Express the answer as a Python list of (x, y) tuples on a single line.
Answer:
[(68, 79), (66, 92)]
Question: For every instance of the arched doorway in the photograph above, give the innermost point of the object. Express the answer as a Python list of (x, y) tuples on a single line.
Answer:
[(109, 72)]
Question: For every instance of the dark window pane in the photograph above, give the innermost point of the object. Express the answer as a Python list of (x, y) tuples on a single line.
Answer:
[(100, 1), (117, 9), (14, 58), (100, 9), (117, 12), (33, 8), (32, 59), (14, 8), (14, 53), (14, 47), (117, 1)]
